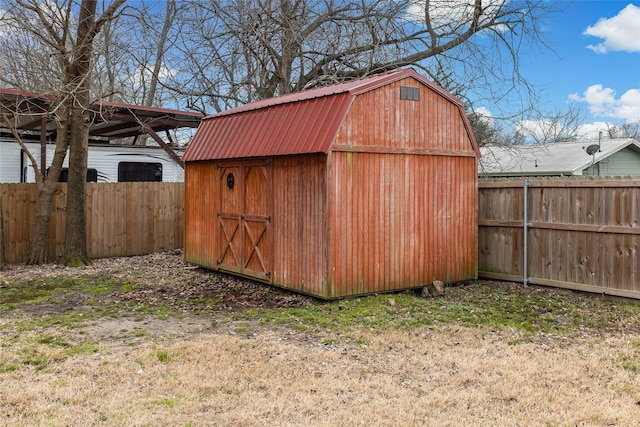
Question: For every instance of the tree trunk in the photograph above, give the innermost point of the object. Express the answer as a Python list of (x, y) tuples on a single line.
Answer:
[(169, 17), (75, 241), (40, 241), (79, 73), (46, 189), (68, 44)]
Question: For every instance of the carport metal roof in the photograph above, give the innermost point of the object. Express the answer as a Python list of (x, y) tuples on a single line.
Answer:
[(32, 116), (110, 120)]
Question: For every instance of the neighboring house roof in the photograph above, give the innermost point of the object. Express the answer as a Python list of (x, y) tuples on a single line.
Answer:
[(563, 158), (297, 123)]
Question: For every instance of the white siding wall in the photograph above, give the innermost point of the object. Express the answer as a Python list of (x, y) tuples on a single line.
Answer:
[(624, 162), (9, 161)]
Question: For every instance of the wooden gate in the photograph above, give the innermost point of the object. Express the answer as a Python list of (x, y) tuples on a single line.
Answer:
[(244, 216)]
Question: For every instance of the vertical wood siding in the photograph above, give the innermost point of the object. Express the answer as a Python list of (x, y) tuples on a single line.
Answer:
[(379, 118), (400, 221), (200, 213), (295, 201), (392, 206), (300, 223), (400, 217)]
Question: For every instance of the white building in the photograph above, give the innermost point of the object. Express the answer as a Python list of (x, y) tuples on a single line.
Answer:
[(610, 157)]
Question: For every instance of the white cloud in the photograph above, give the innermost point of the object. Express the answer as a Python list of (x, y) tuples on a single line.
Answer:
[(605, 130), (592, 131), (602, 102), (143, 75), (550, 131), (622, 32), (485, 113), (539, 130)]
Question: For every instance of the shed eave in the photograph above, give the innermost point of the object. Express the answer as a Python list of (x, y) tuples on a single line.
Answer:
[(257, 156)]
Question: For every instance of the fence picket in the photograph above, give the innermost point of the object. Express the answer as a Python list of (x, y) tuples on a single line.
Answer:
[(122, 219), (584, 233)]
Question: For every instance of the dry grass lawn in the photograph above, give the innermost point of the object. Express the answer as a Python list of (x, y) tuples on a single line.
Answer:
[(454, 377), (188, 372)]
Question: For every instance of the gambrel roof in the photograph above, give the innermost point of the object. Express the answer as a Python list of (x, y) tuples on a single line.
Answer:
[(297, 123)]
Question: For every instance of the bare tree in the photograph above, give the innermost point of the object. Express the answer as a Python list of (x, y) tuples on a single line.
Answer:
[(237, 51), (624, 130), (77, 72), (151, 35), (546, 127), (132, 53), (485, 131), (64, 33), (217, 54), (46, 185)]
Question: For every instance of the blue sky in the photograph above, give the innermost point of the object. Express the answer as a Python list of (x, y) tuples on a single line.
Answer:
[(596, 64)]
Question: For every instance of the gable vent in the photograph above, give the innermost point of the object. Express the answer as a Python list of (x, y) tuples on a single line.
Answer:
[(410, 93)]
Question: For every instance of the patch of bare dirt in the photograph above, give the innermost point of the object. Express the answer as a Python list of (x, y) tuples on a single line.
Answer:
[(198, 295), (166, 278)]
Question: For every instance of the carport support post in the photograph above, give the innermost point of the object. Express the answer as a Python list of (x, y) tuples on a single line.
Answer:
[(525, 229), (161, 143), (43, 147)]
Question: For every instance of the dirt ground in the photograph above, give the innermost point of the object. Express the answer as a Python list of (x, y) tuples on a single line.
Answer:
[(163, 278), (197, 371)]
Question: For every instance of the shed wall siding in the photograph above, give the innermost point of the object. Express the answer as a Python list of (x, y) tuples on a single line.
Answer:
[(200, 214), (297, 251), (380, 118), (400, 221), (300, 223)]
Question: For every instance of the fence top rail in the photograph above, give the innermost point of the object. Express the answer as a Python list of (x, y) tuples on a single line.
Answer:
[(562, 182), (96, 184)]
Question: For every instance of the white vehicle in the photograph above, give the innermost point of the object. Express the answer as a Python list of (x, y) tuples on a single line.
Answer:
[(107, 163), (29, 115)]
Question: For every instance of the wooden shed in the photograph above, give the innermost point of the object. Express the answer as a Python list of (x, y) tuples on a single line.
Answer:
[(356, 188)]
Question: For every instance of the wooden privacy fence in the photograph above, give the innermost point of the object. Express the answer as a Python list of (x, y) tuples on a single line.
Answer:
[(575, 233), (131, 218), (581, 233)]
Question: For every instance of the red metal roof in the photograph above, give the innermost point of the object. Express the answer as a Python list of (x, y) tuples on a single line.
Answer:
[(297, 123)]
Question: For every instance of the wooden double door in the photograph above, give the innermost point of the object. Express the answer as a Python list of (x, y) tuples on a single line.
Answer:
[(244, 217)]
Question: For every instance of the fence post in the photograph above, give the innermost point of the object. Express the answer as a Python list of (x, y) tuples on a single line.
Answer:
[(2, 259), (525, 230)]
